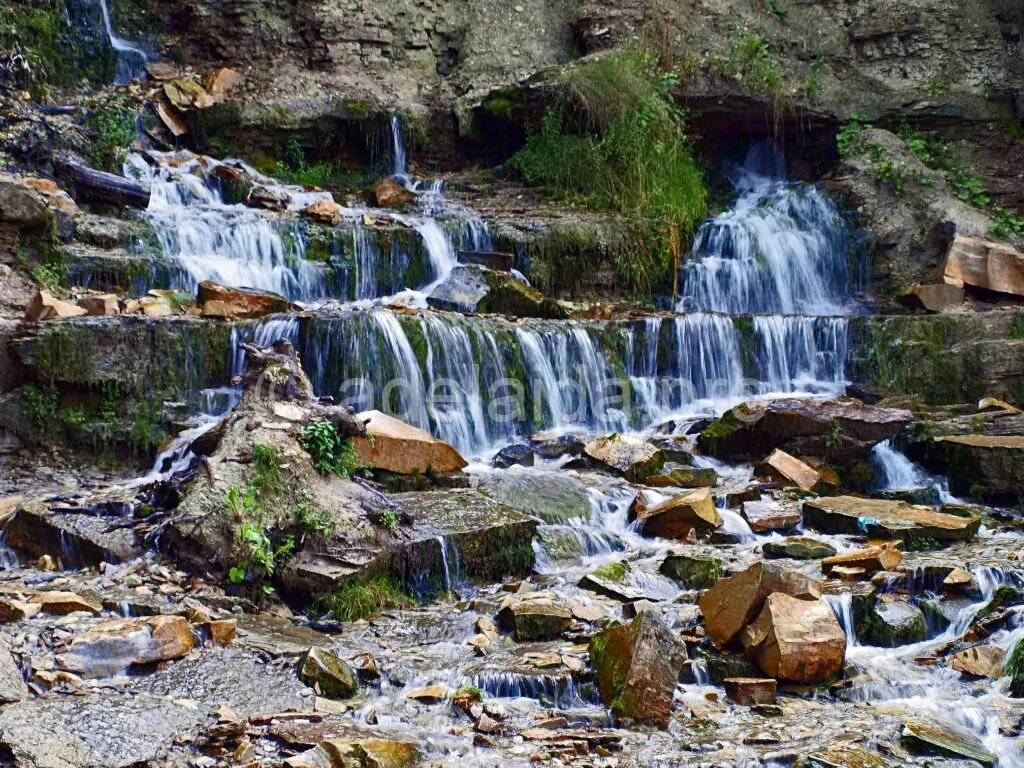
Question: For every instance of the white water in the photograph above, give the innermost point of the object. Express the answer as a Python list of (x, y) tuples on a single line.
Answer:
[(131, 60)]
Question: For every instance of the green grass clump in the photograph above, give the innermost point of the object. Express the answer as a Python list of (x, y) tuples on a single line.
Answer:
[(266, 468), (294, 168), (113, 133), (616, 142), (40, 406), (357, 601)]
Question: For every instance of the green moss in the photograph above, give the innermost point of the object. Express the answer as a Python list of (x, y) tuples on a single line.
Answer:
[(615, 572), (1014, 669), (358, 601), (1004, 597)]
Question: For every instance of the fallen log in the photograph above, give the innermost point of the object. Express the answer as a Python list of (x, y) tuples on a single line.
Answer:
[(91, 185)]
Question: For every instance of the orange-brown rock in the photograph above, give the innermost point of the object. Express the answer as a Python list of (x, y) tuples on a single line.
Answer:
[(734, 602), (750, 690), (216, 300), (326, 211), (59, 603), (980, 661), (102, 304), (796, 640), (788, 470), (394, 446), (634, 459), (884, 557), (45, 306), (984, 263), (132, 642), (935, 297), (674, 518), (388, 193), (219, 82)]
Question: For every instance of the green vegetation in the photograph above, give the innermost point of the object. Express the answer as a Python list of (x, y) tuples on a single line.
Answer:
[(312, 520), (75, 417), (751, 62), (330, 451), (29, 34), (615, 141), (295, 169), (266, 468), (113, 133), (937, 155), (388, 519), (40, 406), (924, 544), (357, 601), (52, 271), (1017, 328), (776, 10)]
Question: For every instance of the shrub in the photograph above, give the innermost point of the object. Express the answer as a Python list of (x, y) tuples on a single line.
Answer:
[(616, 142), (295, 169), (331, 452), (113, 133), (40, 406)]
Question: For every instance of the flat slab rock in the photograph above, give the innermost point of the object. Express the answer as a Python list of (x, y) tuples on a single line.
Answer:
[(484, 539), (77, 539), (882, 518)]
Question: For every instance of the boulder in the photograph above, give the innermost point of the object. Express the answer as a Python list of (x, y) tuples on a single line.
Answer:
[(220, 81), (636, 460), (983, 263), (692, 571), (103, 304), (980, 661), (114, 646), (388, 193), (324, 211), (749, 691), (431, 694), (12, 683), (886, 519), (216, 300), (45, 306), (845, 428), (842, 755), (472, 288), (674, 518), (534, 616), (884, 557), (357, 752), (510, 455), (782, 468), (989, 466), (796, 640), (60, 603), (554, 498), (892, 623), (615, 580), (22, 207), (684, 477), (944, 739), (936, 297), (798, 548), (769, 515), (637, 667), (330, 675), (734, 602), (394, 446)]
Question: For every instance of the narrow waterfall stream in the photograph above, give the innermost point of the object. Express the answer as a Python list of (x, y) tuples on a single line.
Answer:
[(131, 60)]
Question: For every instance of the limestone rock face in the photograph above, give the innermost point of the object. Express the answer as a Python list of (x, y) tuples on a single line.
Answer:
[(674, 518), (845, 428), (638, 666), (984, 263), (935, 297), (473, 288), (734, 602), (394, 446), (796, 640), (992, 465), (633, 459)]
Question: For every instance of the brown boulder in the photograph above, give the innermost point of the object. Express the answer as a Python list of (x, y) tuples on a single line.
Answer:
[(782, 468), (115, 645), (59, 603), (980, 661), (102, 304), (44, 306), (796, 640), (749, 691), (220, 81), (674, 518), (638, 666), (933, 298), (769, 515), (734, 602), (534, 616), (634, 459), (844, 428), (394, 446), (984, 263), (22, 207), (325, 211), (216, 300), (989, 465), (884, 557), (388, 193), (882, 518)]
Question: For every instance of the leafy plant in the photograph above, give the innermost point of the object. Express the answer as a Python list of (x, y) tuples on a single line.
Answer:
[(389, 520), (295, 169), (616, 142), (850, 140), (1006, 223), (331, 452), (751, 62), (777, 10), (241, 502), (40, 405), (75, 417), (113, 132), (357, 601), (924, 544), (313, 520)]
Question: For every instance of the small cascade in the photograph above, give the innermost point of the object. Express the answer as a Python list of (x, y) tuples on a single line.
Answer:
[(897, 472), (399, 169), (842, 607), (131, 60), (557, 691), (782, 247)]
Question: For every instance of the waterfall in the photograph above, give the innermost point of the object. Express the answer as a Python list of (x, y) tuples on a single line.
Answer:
[(398, 162), (782, 247), (131, 61)]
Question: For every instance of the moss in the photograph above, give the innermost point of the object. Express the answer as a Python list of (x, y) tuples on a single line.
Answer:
[(1014, 669), (614, 572), (1005, 596)]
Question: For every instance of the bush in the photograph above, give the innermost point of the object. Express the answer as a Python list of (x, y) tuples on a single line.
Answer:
[(295, 169), (331, 452), (616, 141), (113, 133)]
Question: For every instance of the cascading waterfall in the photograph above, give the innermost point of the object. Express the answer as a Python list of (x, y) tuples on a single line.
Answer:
[(131, 60), (399, 168)]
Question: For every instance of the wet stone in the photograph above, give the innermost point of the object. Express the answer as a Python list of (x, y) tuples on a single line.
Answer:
[(332, 677)]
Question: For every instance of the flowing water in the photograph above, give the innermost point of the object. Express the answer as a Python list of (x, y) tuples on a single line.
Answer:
[(131, 60)]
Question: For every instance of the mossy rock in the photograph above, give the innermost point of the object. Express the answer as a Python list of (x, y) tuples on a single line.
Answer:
[(693, 571), (892, 624), (329, 674)]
